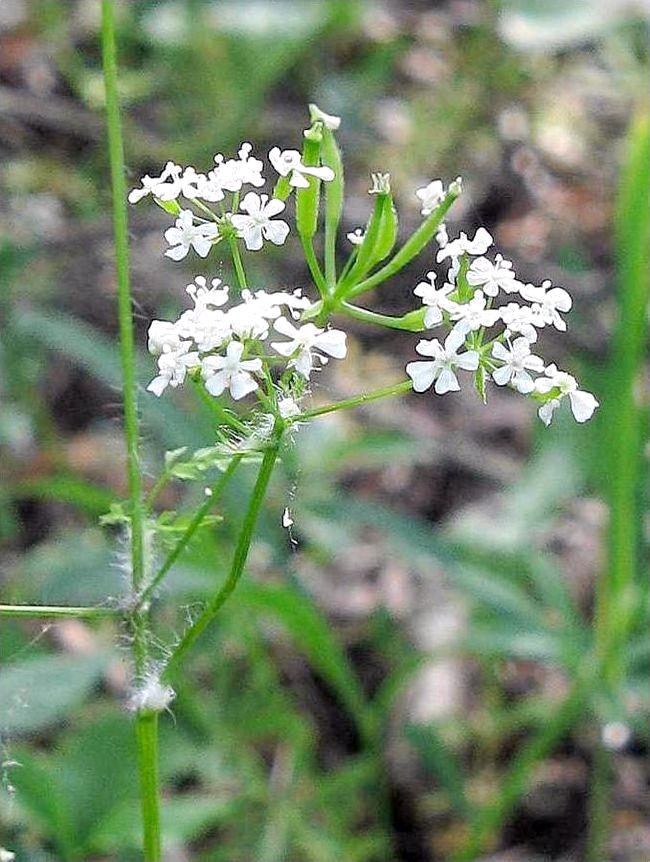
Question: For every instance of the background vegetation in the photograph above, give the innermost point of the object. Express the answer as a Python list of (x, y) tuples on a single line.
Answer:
[(446, 656)]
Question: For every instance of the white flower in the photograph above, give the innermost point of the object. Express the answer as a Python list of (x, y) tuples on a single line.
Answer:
[(548, 302), (185, 235), (472, 315), (288, 408), (287, 162), (519, 318), (162, 334), (356, 236), (517, 362), (257, 224), (173, 364), (234, 173), (445, 360), (230, 372), (269, 305), (330, 121), (208, 297), (582, 403), (431, 196), (157, 186), (492, 277), (442, 237), (305, 341), (463, 245), (437, 300)]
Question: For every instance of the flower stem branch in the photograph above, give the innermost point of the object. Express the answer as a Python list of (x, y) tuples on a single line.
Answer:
[(238, 263), (355, 401), (30, 611), (146, 730), (411, 322), (314, 266), (191, 529), (239, 558)]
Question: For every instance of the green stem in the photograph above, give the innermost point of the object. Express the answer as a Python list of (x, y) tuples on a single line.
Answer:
[(356, 401), (238, 263), (145, 728), (413, 246), (223, 416), (56, 611), (191, 529), (239, 558), (411, 322), (314, 266), (146, 731)]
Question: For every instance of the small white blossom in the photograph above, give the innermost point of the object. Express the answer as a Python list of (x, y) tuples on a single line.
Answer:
[(356, 236), (308, 342), (548, 302), (230, 372), (442, 368), (583, 404), (6, 855), (493, 277), (157, 186), (288, 163), (517, 362), (162, 334), (615, 736), (173, 365), (258, 224), (518, 319), (471, 316), (431, 196), (463, 245), (185, 235), (232, 174), (437, 300), (208, 297)]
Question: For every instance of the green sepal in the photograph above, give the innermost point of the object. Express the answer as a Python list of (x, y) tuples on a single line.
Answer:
[(171, 207), (480, 381)]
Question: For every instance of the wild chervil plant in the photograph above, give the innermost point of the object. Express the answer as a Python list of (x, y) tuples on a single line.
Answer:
[(261, 350)]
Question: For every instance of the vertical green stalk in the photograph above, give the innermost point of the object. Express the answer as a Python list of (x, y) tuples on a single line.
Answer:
[(146, 731), (146, 723), (619, 588)]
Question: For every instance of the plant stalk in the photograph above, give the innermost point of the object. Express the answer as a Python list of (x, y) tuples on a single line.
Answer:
[(146, 724), (239, 558), (355, 401), (56, 611)]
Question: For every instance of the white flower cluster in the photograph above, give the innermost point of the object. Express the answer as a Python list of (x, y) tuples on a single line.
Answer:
[(226, 344), (257, 220), (490, 318), (465, 305)]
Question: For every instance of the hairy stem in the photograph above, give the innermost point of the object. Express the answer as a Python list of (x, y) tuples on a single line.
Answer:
[(56, 611), (191, 529), (239, 558), (355, 401), (146, 730), (145, 725)]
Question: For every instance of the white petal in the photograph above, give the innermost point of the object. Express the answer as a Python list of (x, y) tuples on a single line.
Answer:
[(201, 246), (276, 231), (332, 342), (422, 374), (284, 327), (446, 382), (298, 181), (158, 385), (274, 207), (284, 348), (523, 382), (241, 384), (253, 238), (500, 351), (178, 252), (501, 376), (432, 317), (468, 361), (217, 383), (583, 405)]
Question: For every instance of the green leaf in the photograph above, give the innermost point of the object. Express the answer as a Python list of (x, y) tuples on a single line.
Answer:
[(36, 693), (439, 759), (313, 636)]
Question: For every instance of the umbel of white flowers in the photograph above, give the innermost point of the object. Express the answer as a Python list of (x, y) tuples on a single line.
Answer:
[(260, 342)]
